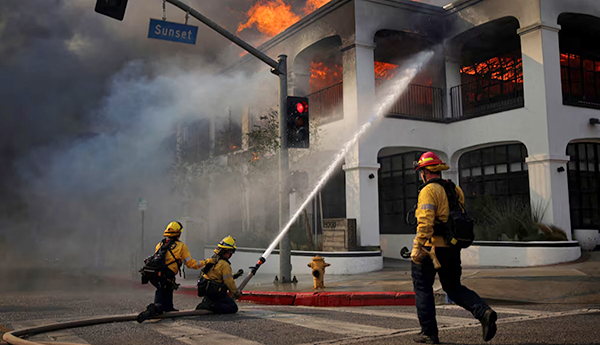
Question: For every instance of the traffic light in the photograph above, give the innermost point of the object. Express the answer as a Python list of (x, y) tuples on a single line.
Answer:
[(112, 8), (297, 122)]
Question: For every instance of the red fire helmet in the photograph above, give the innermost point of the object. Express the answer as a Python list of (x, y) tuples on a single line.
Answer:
[(427, 159)]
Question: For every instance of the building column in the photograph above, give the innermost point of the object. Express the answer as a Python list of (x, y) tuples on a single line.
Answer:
[(541, 68), (548, 183), (362, 201), (300, 83), (549, 189), (453, 65)]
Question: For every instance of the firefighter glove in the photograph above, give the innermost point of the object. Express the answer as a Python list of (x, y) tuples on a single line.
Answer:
[(418, 254)]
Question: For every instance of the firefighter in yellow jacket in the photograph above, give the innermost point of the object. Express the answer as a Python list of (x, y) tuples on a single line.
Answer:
[(176, 253), (432, 213), (218, 279)]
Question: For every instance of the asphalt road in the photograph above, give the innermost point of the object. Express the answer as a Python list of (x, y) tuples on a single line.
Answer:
[(33, 305)]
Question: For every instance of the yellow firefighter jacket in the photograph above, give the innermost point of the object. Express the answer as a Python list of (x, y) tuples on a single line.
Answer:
[(221, 273), (182, 255), (432, 204)]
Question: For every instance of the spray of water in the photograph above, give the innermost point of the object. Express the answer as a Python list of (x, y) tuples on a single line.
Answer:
[(391, 92)]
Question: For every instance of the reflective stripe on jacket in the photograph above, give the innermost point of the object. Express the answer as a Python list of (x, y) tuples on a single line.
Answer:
[(182, 254), (221, 273), (432, 204)]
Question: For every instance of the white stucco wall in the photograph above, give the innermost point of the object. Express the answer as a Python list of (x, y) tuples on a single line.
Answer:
[(506, 256), (339, 265)]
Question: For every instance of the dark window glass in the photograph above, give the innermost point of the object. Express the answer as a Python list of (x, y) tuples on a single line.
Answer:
[(584, 185), (397, 193), (497, 174)]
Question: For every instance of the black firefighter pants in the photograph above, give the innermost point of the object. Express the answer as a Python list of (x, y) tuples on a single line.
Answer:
[(423, 275), (221, 303), (163, 297)]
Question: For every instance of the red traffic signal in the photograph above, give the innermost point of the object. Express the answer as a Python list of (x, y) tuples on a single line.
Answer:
[(297, 122), (302, 107)]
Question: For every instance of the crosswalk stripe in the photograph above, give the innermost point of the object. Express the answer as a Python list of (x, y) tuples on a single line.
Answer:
[(404, 332), (197, 335), (446, 320), (317, 323), (63, 336)]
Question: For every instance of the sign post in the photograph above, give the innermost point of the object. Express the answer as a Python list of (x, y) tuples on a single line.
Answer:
[(142, 206)]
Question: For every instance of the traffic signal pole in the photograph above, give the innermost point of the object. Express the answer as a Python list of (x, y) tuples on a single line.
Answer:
[(279, 68), (285, 254)]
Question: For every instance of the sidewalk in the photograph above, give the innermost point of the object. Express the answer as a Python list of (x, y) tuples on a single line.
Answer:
[(573, 283)]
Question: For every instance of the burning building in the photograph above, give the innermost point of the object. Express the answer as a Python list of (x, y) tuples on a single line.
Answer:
[(510, 100)]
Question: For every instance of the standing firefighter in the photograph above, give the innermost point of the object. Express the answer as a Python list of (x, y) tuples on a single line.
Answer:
[(442, 230), (161, 268), (218, 279)]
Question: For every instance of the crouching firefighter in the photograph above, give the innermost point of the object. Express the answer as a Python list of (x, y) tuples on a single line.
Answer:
[(161, 268), (218, 279)]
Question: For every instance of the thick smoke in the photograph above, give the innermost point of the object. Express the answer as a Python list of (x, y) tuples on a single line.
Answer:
[(89, 111)]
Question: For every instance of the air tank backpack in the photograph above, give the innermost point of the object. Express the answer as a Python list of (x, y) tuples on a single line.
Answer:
[(458, 230), (155, 266)]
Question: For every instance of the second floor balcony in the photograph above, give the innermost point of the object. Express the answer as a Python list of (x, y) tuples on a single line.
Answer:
[(417, 102)]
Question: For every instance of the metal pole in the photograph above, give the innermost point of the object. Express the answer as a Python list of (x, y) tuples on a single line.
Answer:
[(285, 264), (233, 38), (142, 235)]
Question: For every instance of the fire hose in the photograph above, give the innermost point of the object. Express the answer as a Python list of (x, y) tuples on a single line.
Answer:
[(14, 336)]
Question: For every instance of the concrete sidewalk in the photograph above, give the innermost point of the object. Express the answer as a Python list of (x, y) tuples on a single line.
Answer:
[(574, 283)]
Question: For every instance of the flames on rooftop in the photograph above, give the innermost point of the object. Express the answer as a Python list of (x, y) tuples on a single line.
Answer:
[(271, 17)]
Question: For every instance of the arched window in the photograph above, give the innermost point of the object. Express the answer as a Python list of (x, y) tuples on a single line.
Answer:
[(499, 172), (584, 185), (398, 184)]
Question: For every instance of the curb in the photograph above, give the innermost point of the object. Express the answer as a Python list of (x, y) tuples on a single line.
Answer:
[(330, 299), (324, 299)]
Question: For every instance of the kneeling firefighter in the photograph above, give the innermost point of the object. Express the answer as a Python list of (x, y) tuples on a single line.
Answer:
[(161, 268), (218, 279)]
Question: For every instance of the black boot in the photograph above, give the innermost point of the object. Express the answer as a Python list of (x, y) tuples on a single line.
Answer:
[(488, 324), (150, 311), (204, 305), (426, 339)]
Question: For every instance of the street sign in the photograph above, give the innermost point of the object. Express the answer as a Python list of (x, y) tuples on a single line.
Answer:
[(175, 32), (142, 204)]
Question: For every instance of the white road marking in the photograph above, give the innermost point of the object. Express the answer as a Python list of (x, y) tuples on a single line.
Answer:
[(404, 332), (197, 335), (318, 323), (445, 320)]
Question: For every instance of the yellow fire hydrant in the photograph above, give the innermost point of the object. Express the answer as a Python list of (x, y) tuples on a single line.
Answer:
[(318, 265)]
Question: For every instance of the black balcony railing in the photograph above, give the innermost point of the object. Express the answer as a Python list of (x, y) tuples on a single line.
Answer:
[(418, 101), (581, 83), (327, 105), (486, 96)]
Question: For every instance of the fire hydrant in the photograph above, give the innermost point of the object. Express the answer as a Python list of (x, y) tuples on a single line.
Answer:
[(318, 265)]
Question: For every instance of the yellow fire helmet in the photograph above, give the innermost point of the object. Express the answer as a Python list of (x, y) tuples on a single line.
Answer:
[(173, 229), (227, 243)]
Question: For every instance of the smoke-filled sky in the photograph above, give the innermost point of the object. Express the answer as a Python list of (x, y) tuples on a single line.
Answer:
[(87, 103)]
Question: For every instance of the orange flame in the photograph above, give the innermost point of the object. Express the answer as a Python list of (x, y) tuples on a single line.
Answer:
[(270, 17), (323, 76), (385, 70), (313, 5), (499, 68)]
